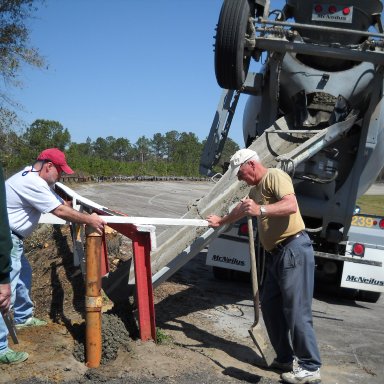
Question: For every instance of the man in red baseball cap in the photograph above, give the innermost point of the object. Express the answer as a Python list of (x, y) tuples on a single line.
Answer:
[(57, 157), (30, 193)]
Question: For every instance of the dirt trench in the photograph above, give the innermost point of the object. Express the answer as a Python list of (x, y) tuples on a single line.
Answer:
[(191, 348)]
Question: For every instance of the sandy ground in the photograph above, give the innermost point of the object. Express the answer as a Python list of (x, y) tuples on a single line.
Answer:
[(204, 325), (203, 340)]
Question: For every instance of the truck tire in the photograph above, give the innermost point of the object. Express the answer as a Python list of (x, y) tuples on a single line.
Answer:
[(230, 275), (231, 60), (222, 273), (368, 296)]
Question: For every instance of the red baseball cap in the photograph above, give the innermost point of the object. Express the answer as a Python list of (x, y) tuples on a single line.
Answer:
[(56, 157)]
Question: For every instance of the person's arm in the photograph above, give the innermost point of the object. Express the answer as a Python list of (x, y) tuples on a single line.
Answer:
[(67, 213), (284, 207), (5, 297), (247, 207), (236, 214)]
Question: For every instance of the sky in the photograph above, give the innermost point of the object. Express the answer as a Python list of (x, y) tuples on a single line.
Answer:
[(125, 68)]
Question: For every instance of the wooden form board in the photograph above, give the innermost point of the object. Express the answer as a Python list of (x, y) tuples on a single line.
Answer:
[(52, 219)]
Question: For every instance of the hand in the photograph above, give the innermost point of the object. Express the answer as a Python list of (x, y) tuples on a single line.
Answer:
[(97, 222), (249, 207), (5, 297), (214, 221)]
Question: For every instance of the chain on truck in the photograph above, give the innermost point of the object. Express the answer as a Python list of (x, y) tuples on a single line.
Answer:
[(315, 109)]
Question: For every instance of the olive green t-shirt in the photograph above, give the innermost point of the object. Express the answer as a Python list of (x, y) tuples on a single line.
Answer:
[(272, 188)]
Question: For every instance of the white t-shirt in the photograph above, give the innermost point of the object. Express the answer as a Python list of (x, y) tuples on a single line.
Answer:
[(27, 198)]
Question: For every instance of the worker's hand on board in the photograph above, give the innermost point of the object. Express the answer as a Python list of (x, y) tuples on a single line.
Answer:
[(97, 222), (214, 221)]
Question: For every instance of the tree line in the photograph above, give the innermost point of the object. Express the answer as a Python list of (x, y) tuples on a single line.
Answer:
[(171, 154)]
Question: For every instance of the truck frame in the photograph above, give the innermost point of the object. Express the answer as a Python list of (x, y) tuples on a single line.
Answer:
[(319, 90)]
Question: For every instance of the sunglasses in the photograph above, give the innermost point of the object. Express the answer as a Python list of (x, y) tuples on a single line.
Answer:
[(58, 167)]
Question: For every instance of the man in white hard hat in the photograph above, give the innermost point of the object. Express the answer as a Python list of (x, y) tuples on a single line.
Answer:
[(286, 299)]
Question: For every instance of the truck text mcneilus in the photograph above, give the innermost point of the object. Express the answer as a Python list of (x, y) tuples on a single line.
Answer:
[(315, 110)]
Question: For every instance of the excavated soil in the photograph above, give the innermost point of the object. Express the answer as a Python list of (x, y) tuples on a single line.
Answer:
[(192, 347)]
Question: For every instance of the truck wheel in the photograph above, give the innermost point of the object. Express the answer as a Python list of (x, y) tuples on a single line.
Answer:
[(231, 59), (222, 273), (230, 275), (368, 296)]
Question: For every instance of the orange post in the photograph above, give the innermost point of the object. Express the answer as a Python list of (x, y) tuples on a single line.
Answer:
[(93, 299)]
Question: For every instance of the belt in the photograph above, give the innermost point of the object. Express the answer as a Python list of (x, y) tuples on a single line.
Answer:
[(286, 241), (16, 234)]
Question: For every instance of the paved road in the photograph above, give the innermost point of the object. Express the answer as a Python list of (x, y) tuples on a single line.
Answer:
[(376, 189), (147, 198), (350, 333)]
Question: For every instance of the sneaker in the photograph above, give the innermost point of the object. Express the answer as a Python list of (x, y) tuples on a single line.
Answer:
[(284, 367), (13, 357), (302, 376), (31, 322)]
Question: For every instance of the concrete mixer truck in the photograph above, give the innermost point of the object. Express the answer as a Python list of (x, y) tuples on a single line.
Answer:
[(316, 110)]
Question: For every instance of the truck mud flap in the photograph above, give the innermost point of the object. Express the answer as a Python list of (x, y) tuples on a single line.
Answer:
[(364, 276)]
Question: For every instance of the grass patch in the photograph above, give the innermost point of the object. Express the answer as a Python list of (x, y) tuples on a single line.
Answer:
[(371, 204), (162, 337)]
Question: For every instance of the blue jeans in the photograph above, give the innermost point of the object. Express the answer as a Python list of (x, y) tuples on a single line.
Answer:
[(21, 279), (286, 303)]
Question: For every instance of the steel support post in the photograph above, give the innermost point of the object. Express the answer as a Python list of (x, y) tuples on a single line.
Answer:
[(141, 246), (93, 299), (143, 275)]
